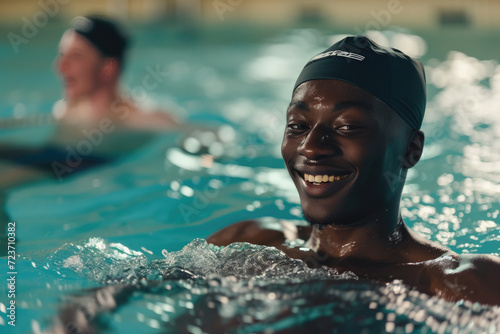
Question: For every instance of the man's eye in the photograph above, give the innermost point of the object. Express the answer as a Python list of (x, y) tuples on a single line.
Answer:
[(75, 55), (297, 126), (348, 127)]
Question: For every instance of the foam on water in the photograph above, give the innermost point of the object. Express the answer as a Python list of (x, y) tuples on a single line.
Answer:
[(99, 261), (244, 288), (103, 262), (244, 260)]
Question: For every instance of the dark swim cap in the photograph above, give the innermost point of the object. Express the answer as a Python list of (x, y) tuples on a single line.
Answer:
[(103, 33), (387, 73)]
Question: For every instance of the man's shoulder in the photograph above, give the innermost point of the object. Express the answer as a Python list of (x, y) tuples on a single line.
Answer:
[(473, 277), (59, 110), (151, 119), (480, 266), (263, 231)]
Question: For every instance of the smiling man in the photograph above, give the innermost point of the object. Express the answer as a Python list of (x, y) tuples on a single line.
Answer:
[(353, 131)]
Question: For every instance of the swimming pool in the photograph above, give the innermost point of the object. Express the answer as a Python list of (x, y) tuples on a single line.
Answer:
[(139, 216)]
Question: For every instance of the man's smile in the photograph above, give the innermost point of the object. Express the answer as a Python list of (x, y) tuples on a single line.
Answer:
[(325, 178), (322, 183)]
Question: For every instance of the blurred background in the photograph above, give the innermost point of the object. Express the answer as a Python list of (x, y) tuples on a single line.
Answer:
[(466, 26), (165, 26), (416, 13)]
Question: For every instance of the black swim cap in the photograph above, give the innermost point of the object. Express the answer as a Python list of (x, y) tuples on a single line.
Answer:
[(387, 73), (103, 33)]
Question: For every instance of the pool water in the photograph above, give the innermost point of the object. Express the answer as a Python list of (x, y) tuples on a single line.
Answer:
[(146, 214)]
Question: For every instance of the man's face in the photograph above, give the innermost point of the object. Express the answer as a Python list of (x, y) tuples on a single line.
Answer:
[(343, 152), (81, 66)]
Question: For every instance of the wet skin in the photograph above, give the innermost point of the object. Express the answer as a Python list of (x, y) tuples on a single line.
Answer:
[(341, 131)]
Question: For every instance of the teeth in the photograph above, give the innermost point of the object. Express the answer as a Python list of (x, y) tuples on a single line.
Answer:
[(317, 179)]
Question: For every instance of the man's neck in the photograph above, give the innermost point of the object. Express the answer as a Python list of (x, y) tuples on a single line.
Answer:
[(372, 238), (94, 107)]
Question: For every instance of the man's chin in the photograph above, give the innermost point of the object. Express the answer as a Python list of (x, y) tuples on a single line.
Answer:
[(322, 221), (319, 223), (70, 95)]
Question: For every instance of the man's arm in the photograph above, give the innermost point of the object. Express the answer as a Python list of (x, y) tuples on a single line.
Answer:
[(266, 231), (250, 231)]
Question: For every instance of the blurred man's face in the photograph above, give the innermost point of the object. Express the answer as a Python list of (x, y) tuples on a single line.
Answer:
[(80, 65), (342, 149)]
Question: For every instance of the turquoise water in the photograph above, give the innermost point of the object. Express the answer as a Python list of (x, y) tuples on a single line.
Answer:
[(138, 217)]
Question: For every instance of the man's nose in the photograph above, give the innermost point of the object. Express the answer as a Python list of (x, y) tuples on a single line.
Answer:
[(319, 143)]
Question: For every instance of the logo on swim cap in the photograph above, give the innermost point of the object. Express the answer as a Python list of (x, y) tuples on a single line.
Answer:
[(338, 53), (83, 24)]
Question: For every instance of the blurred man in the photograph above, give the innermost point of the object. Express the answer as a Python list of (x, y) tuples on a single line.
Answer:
[(91, 60), (353, 131), (95, 125)]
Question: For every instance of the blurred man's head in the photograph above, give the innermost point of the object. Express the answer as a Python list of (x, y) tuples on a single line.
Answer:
[(91, 56), (353, 130)]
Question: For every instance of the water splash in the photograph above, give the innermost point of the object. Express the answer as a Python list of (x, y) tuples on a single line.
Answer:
[(244, 260), (245, 288), (99, 261)]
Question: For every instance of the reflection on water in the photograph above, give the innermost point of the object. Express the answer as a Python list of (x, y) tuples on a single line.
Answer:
[(460, 207)]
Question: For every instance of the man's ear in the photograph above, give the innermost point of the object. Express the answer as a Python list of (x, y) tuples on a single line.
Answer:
[(111, 68), (414, 149)]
